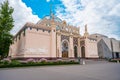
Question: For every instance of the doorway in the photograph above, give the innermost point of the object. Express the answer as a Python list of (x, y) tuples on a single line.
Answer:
[(75, 51), (117, 55), (83, 52), (65, 49)]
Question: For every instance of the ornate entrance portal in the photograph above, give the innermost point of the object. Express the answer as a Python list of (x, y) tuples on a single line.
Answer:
[(65, 49)]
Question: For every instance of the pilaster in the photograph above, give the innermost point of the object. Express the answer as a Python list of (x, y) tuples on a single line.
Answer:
[(53, 39), (71, 51)]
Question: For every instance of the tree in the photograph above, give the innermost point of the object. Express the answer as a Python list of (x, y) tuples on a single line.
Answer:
[(6, 24)]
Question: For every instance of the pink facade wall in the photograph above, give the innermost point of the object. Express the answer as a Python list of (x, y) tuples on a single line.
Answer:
[(18, 47), (91, 50), (38, 43)]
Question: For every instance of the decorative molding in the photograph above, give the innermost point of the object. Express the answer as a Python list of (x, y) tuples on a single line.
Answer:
[(64, 37), (82, 43), (75, 41)]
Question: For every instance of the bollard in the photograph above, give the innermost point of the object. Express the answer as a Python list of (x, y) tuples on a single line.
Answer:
[(82, 62), (117, 61)]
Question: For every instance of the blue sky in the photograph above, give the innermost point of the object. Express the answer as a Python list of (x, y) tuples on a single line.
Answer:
[(101, 16), (42, 7)]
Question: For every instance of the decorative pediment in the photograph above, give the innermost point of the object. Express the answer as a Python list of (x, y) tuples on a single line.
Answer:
[(64, 37)]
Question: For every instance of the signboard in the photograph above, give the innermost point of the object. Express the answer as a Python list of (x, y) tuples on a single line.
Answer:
[(36, 50)]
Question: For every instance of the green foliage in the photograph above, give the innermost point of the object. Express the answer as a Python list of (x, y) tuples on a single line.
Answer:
[(6, 24), (15, 63), (5, 62), (114, 60)]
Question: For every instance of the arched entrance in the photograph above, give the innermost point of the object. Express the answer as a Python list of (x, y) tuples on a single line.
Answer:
[(83, 52), (117, 55), (65, 49), (75, 51)]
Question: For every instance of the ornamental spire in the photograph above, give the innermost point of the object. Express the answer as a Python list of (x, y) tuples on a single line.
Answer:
[(51, 11), (86, 28), (86, 32)]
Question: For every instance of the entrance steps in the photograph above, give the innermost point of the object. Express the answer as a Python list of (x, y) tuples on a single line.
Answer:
[(95, 61)]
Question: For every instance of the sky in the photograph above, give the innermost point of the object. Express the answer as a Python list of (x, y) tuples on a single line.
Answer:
[(101, 16)]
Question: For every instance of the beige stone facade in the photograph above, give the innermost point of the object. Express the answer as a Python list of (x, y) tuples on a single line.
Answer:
[(53, 38), (107, 47)]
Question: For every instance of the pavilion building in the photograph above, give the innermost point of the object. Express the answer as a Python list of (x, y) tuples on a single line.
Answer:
[(53, 38)]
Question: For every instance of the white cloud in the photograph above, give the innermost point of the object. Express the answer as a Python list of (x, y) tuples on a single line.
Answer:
[(102, 16), (48, 0), (115, 10), (1, 1), (21, 14)]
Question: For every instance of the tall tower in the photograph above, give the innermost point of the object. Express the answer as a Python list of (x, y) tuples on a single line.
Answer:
[(86, 31)]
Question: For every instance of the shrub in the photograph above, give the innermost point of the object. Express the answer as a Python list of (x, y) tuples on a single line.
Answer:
[(106, 58), (15, 62), (37, 61), (43, 60), (6, 61), (114, 60), (72, 60), (59, 60), (22, 62), (30, 60)]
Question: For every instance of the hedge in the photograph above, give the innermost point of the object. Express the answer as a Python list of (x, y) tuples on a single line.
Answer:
[(16, 63)]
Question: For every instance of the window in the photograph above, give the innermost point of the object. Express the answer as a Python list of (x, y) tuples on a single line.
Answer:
[(37, 29), (43, 30), (48, 25), (24, 33), (49, 31), (19, 36), (30, 28), (16, 38), (57, 27)]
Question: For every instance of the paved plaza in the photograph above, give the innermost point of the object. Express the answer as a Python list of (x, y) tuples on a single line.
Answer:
[(96, 70)]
